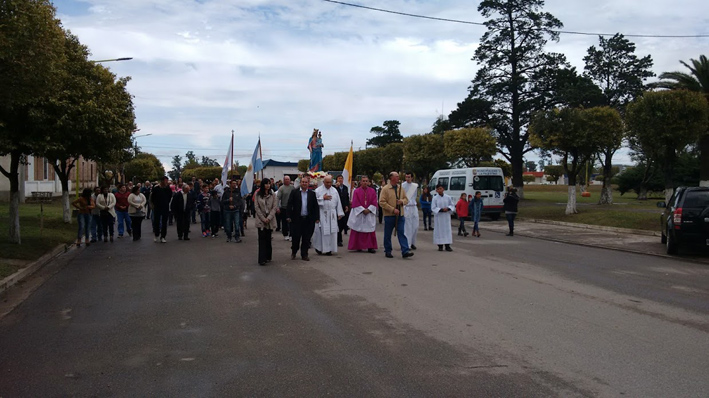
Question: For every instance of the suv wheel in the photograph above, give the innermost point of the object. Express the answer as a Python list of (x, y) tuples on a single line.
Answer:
[(671, 243)]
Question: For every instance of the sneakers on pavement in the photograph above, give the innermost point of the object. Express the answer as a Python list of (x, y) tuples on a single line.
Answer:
[(163, 240)]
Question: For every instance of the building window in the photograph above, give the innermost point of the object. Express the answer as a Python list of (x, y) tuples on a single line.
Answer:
[(45, 169)]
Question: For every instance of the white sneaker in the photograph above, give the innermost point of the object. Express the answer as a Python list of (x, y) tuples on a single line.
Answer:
[(155, 239), (285, 238), (162, 240)]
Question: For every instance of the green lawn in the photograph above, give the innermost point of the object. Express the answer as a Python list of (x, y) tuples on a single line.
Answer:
[(35, 243), (549, 202)]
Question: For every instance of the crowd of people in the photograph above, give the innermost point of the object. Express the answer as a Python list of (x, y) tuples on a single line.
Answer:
[(308, 215)]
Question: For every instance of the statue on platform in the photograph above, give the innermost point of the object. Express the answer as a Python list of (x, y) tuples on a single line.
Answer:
[(315, 146)]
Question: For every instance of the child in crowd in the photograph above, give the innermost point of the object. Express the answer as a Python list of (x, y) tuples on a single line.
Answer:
[(204, 208), (461, 209), (425, 201), (475, 211), (215, 213)]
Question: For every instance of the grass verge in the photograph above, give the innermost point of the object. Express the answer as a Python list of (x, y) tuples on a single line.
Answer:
[(35, 241), (548, 202)]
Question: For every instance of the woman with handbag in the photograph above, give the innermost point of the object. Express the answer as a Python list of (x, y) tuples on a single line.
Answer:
[(84, 204), (136, 211), (265, 208)]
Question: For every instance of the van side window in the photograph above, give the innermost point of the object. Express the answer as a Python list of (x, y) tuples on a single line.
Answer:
[(432, 184), (443, 181), (457, 183)]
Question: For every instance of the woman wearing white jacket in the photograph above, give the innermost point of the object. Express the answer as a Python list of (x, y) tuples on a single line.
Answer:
[(106, 203), (136, 211)]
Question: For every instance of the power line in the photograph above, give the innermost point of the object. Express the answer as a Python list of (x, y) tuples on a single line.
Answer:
[(568, 32)]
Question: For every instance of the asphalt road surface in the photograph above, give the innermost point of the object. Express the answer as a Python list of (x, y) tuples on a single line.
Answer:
[(498, 317)]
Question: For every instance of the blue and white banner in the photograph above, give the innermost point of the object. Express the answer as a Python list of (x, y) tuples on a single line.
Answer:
[(255, 166)]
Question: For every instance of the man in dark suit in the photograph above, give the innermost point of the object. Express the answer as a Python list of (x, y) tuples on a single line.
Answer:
[(345, 200), (181, 207), (302, 212)]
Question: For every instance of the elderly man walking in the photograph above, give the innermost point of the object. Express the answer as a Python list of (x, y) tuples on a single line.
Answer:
[(302, 215), (392, 199), (283, 194), (325, 235)]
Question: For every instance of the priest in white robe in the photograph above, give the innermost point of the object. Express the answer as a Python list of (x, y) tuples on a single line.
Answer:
[(325, 235), (411, 210), (363, 218), (442, 206)]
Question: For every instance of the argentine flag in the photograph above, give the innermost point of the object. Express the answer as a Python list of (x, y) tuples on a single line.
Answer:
[(255, 166)]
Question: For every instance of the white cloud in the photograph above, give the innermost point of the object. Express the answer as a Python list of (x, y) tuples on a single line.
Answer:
[(281, 68)]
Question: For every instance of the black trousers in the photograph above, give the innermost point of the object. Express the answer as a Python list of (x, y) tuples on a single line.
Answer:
[(107, 222), (380, 214), (215, 218), (264, 245), (182, 220), (285, 225), (136, 223), (160, 222), (301, 231)]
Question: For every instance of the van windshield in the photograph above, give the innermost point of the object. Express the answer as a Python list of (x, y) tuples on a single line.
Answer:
[(489, 183)]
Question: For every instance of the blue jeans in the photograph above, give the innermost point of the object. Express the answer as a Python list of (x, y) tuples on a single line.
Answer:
[(389, 222), (204, 219), (84, 221), (96, 229), (123, 216), (232, 224), (427, 218)]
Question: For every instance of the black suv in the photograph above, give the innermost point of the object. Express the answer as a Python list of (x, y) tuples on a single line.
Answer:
[(685, 218)]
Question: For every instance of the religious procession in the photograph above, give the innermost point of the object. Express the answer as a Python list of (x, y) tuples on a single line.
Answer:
[(314, 211)]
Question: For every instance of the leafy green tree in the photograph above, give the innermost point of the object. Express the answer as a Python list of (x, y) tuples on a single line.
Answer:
[(367, 161), (190, 161), (664, 123), (470, 145), (620, 74), (391, 158), (91, 115), (511, 56), (423, 154), (565, 133), (335, 162), (145, 166), (472, 112), (528, 178), (176, 171), (607, 126), (209, 162), (303, 165), (441, 125), (530, 165), (696, 80), (553, 173), (31, 50), (386, 134)]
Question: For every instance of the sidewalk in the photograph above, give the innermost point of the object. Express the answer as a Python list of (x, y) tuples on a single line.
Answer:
[(640, 242)]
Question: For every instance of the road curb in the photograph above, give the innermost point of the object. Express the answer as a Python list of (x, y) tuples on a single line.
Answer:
[(593, 227), (32, 267)]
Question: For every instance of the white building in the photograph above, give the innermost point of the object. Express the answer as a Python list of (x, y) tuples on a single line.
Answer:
[(38, 175), (277, 170)]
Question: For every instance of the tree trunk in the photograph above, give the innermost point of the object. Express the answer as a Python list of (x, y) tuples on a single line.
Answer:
[(63, 173), (704, 161), (516, 160), (571, 201), (642, 195), (607, 190), (14, 177), (669, 186)]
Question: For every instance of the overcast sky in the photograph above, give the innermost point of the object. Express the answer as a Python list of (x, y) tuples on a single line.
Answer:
[(280, 68)]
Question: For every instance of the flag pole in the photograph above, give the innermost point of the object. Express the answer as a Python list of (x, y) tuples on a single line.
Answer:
[(232, 155), (260, 154)]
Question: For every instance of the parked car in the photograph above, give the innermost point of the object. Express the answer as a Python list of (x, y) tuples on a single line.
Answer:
[(685, 218)]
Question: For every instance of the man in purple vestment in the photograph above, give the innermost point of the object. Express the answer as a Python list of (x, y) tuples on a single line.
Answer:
[(363, 218)]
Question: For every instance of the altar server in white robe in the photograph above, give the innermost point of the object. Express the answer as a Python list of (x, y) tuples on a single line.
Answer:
[(442, 206), (411, 210), (325, 236)]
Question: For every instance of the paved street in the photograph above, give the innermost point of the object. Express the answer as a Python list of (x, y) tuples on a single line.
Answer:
[(499, 316)]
